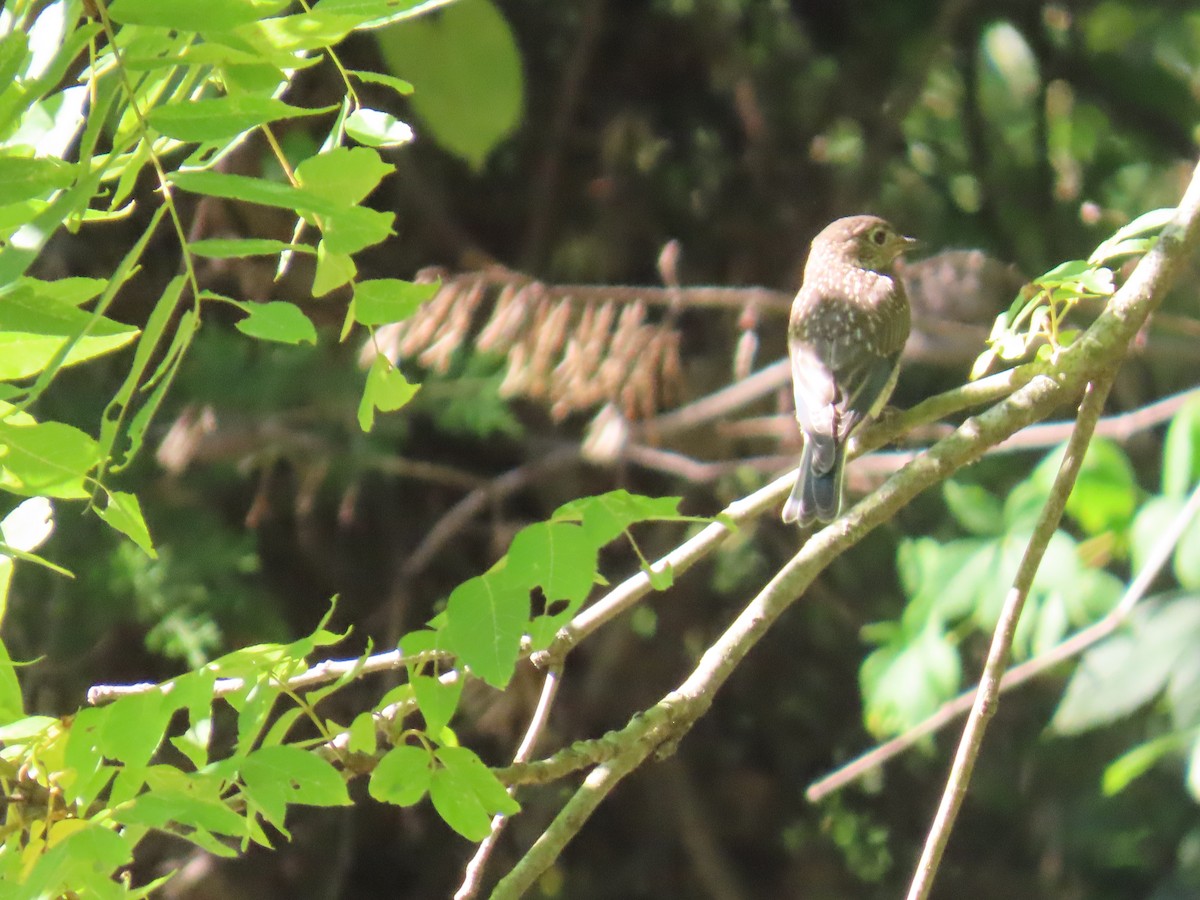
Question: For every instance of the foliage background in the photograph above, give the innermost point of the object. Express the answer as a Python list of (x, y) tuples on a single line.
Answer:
[(737, 129)]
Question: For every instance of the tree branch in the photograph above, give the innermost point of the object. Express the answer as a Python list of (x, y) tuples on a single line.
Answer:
[(1098, 350)]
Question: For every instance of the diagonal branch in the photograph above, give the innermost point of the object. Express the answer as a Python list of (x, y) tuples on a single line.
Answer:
[(988, 695)]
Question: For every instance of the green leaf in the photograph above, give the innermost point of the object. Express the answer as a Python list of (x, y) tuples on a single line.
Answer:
[(1120, 242), (35, 326), (487, 787), (466, 794), (255, 704), (193, 15), (333, 271), (83, 758), (161, 379), (376, 128), (437, 701), (222, 118), (1094, 594), (344, 176), (375, 10), (124, 513), (1149, 526), (605, 516), (399, 85), (28, 178), (77, 852), (1023, 505), (267, 193), (350, 230), (1096, 281), (162, 807), (23, 729), (904, 683), (661, 579), (1129, 669), (362, 734), (12, 706), (468, 108), (386, 389), (1065, 272), (1049, 625), (974, 507), (1181, 451), (14, 51), (278, 321), (1135, 763), (49, 459), (947, 582), (71, 291), (277, 776), (485, 618), (239, 248), (156, 327), (1133, 247), (558, 557), (402, 777), (458, 805), (382, 300), (134, 727), (300, 32)]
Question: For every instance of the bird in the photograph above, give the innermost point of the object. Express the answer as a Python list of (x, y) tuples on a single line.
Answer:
[(848, 326)]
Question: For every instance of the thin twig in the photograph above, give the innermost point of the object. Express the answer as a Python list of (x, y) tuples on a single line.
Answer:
[(473, 875), (869, 467), (322, 672), (987, 697), (1085, 638), (1120, 426), (720, 403), (698, 471)]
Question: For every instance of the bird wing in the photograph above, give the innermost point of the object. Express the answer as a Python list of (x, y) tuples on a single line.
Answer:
[(843, 367)]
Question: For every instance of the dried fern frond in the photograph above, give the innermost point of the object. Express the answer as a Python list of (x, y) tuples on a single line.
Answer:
[(573, 348)]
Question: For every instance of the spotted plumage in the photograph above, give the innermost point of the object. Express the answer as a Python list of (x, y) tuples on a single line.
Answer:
[(848, 326)]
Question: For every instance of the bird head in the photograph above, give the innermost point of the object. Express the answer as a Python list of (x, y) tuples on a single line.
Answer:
[(868, 242)]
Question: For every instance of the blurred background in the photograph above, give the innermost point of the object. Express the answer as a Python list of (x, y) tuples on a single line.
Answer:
[(567, 153)]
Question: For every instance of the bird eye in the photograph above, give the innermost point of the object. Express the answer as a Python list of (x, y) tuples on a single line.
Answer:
[(879, 236)]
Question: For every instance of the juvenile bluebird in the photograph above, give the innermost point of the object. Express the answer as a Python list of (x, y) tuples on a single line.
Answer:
[(848, 326)]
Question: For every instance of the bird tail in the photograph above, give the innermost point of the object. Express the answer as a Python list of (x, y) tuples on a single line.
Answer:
[(817, 494)]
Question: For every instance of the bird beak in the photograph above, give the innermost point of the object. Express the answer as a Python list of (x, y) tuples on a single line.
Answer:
[(902, 245)]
